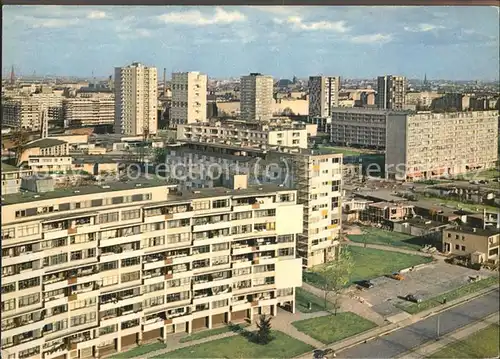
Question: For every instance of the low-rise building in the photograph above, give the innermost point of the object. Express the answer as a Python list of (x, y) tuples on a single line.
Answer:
[(12, 177), (385, 212), (92, 270), (479, 244)]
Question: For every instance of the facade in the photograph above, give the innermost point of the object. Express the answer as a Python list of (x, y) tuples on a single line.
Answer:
[(46, 155), (189, 98), (21, 112), (361, 126), (136, 99), (391, 94), (481, 245), (89, 272), (317, 177), (256, 97), (451, 102), (290, 136), (384, 212), (89, 111), (12, 177), (430, 145), (323, 95)]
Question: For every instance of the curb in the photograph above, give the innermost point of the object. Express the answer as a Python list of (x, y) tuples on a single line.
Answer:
[(385, 330)]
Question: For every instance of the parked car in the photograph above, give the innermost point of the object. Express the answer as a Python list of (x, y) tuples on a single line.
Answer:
[(365, 284), (413, 298), (397, 276)]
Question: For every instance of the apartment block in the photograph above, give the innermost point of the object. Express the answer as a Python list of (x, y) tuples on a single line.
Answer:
[(323, 95), (430, 145), (90, 271), (21, 112), (391, 93), (317, 178), (240, 133), (480, 245), (256, 97), (189, 98), (89, 111), (46, 155), (136, 99), (361, 126)]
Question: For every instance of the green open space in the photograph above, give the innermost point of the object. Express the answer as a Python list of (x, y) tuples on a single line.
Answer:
[(457, 293), (303, 298), (346, 151), (482, 344), (387, 238), (332, 328), (239, 346), (371, 263), (472, 207), (140, 351), (212, 332)]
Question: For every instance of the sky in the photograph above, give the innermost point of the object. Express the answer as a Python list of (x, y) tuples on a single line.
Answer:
[(455, 43)]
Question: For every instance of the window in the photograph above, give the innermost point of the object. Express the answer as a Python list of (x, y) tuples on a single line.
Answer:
[(152, 302), (178, 238), (220, 247), (220, 203), (29, 283), (28, 230), (8, 288), (55, 260), (8, 305), (201, 205), (151, 227), (8, 233), (108, 217), (131, 214), (216, 261), (128, 262), (83, 319), (29, 352), (463, 248), (129, 277), (457, 246), (110, 280), (30, 299), (108, 266)]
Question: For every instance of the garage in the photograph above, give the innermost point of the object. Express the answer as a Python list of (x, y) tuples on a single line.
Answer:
[(107, 350), (200, 323), (152, 334), (129, 340), (238, 316), (181, 328), (219, 320)]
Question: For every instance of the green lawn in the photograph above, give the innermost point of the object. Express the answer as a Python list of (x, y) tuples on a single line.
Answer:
[(482, 344), (379, 236), (140, 351), (464, 290), (238, 346), (303, 298), (211, 332), (346, 151), (372, 263), (473, 207), (332, 328)]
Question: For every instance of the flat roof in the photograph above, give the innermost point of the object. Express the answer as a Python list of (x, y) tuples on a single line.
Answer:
[(476, 231), (9, 168), (25, 197)]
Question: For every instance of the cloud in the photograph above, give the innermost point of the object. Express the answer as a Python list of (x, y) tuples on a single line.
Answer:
[(297, 23), (195, 17), (97, 15), (372, 39), (278, 10), (423, 28), (50, 23)]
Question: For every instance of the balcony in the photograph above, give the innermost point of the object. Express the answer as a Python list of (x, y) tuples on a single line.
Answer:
[(241, 263)]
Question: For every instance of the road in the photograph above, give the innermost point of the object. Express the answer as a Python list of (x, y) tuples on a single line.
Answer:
[(412, 336)]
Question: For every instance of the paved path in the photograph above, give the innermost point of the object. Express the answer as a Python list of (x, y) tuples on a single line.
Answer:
[(388, 248), (405, 339), (432, 347), (349, 304)]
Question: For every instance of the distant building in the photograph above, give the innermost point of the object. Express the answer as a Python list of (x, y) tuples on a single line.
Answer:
[(451, 102), (81, 112), (136, 99), (256, 97), (391, 93), (323, 95), (480, 245), (189, 98), (430, 145)]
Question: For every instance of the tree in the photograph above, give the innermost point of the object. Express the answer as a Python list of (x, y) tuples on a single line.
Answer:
[(264, 330), (20, 138), (334, 277)]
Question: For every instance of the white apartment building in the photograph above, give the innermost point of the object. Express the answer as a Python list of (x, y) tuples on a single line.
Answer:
[(430, 145), (293, 135), (21, 112), (189, 98), (136, 99), (391, 93), (317, 177), (256, 102), (323, 95), (89, 111), (360, 126), (90, 271)]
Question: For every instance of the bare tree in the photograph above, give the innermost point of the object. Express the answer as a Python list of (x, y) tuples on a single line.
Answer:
[(334, 277)]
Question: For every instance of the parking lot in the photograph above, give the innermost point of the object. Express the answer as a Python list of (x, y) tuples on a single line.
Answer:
[(427, 282)]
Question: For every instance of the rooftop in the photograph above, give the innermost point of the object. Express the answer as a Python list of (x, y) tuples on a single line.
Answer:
[(44, 143), (9, 168), (476, 231)]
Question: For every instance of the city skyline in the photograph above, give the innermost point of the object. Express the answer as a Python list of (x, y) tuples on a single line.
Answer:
[(456, 43)]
